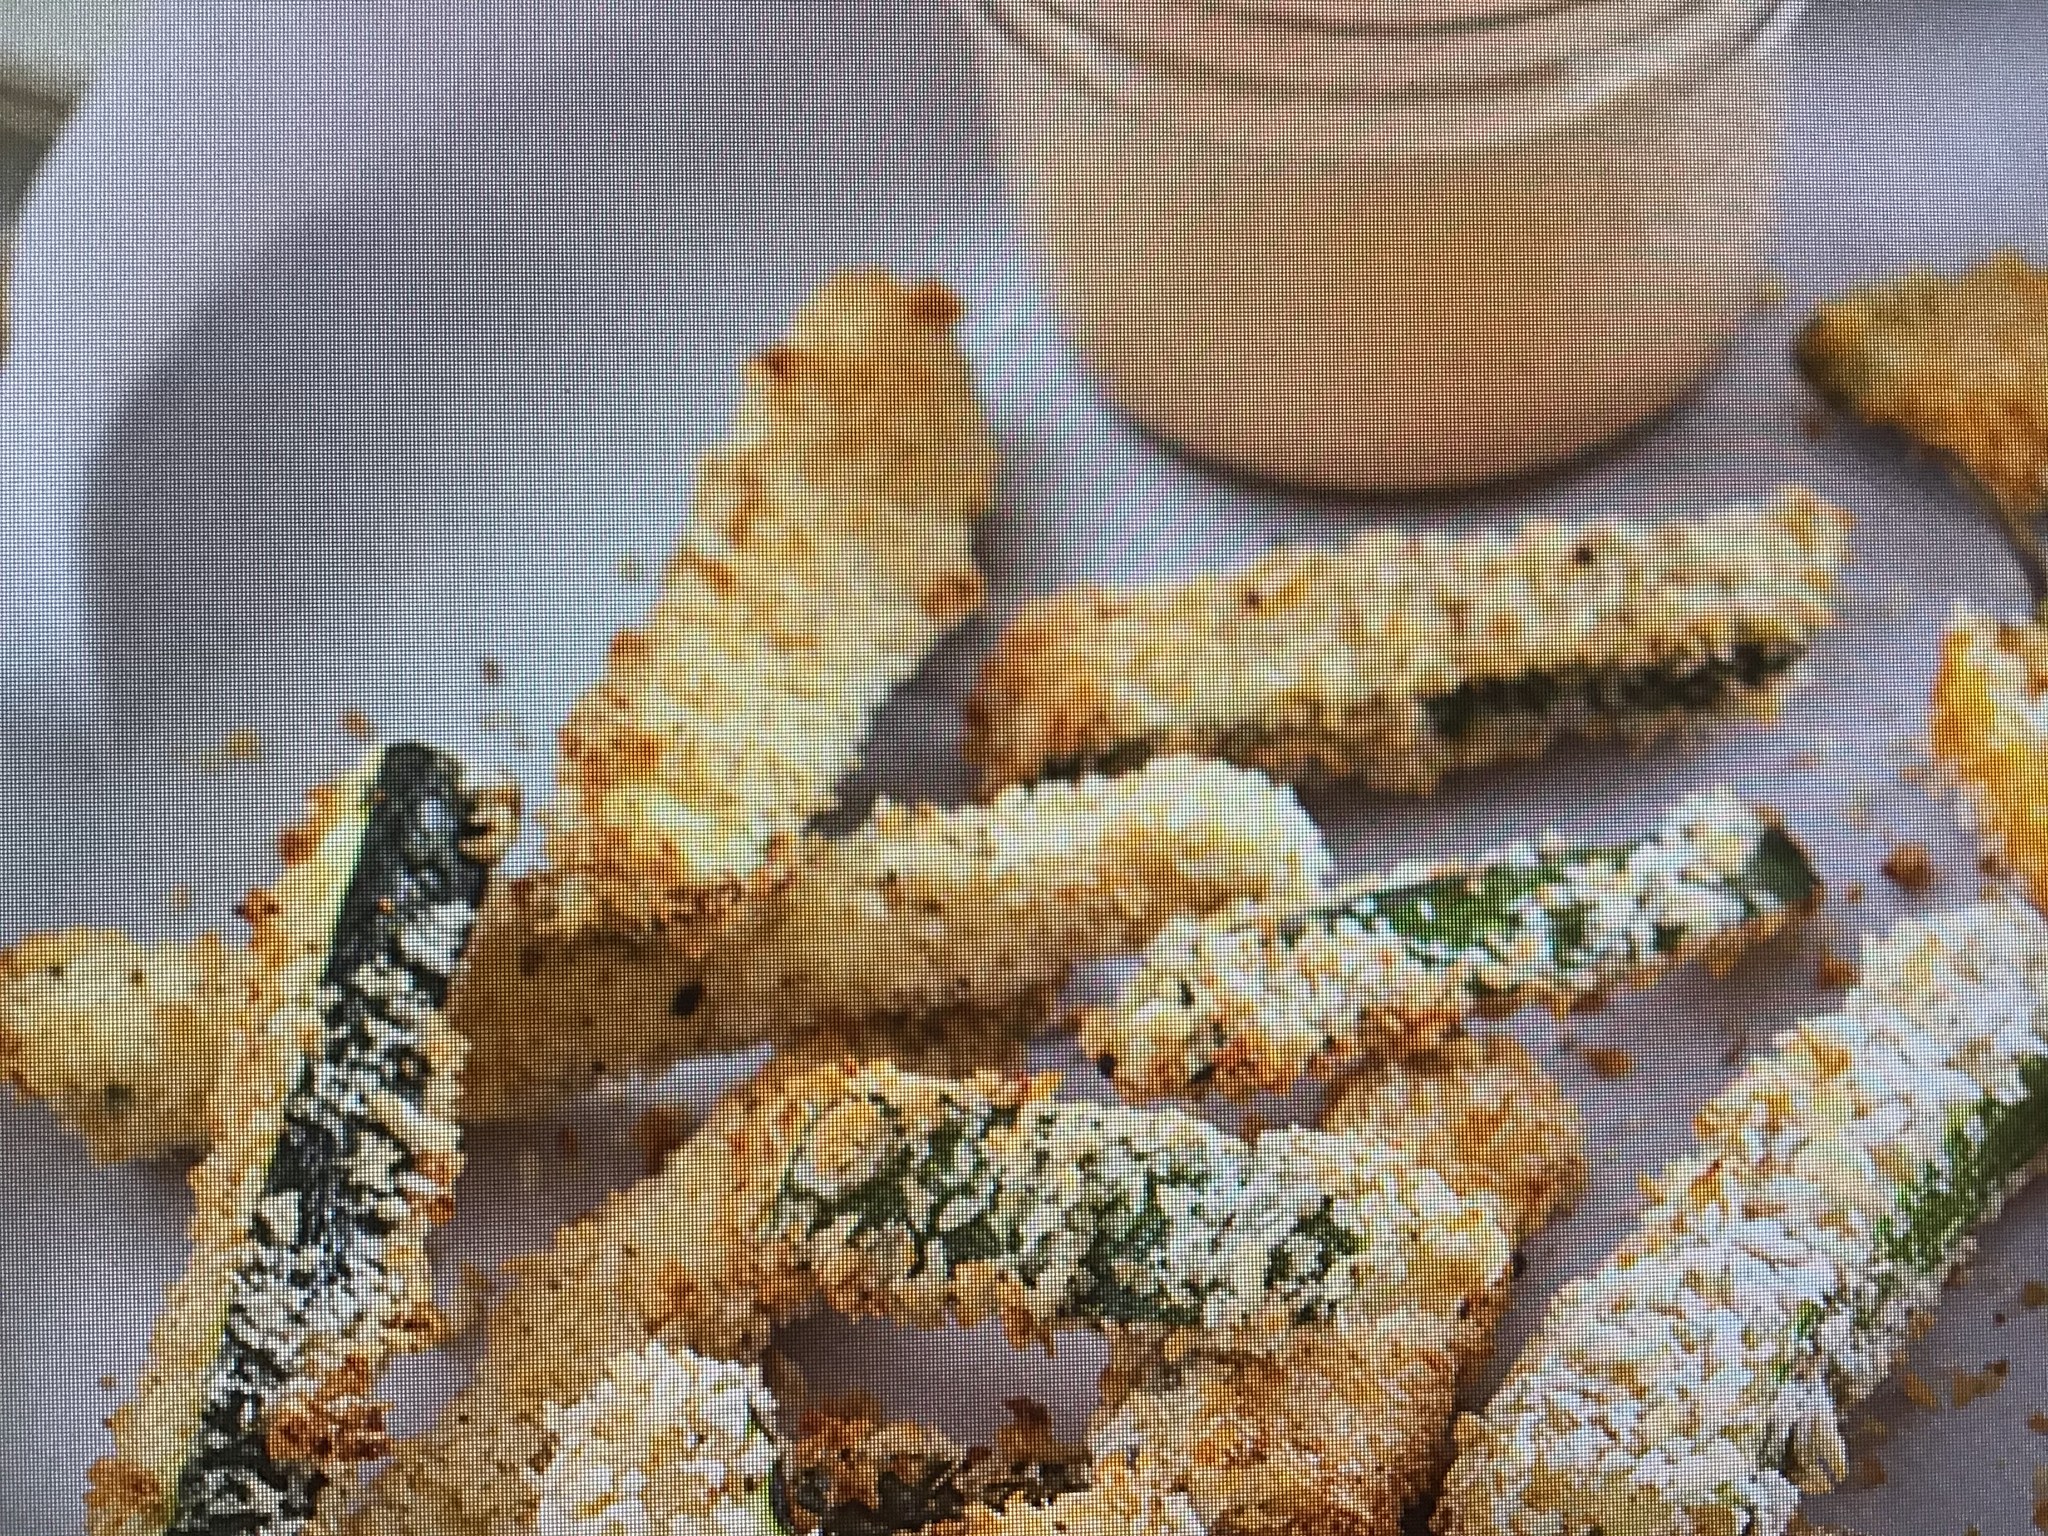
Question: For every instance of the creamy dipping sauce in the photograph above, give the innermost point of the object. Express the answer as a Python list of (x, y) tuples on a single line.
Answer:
[(1388, 247)]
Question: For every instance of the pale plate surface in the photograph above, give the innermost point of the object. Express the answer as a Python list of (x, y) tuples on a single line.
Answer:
[(49, 51), (348, 352)]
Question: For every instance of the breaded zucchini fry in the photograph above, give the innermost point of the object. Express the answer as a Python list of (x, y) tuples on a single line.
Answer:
[(920, 914), (123, 1040), (1402, 656), (334, 1151), (674, 1440), (650, 1263), (923, 1198), (832, 546), (1958, 364), (1340, 1428), (1695, 1383), (887, 934), (890, 932), (870, 1190), (1259, 997), (1989, 730)]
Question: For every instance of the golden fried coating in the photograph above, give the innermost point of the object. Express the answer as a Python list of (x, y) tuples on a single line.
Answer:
[(1958, 364), (1335, 1430), (925, 911), (1342, 1427), (1989, 731), (1120, 1502), (1401, 657), (123, 1040), (1482, 1113), (831, 548), (891, 935), (649, 1263), (296, 1339)]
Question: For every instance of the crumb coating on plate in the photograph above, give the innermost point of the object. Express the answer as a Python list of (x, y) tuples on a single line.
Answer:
[(1400, 657), (831, 547), (1262, 995), (123, 1040), (1988, 726), (1694, 1385), (1957, 364), (334, 1151)]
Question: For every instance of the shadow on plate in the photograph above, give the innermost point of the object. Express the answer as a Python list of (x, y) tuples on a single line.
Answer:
[(509, 335)]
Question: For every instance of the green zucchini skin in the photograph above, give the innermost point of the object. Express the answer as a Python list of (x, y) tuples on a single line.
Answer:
[(1257, 998), (1613, 695), (403, 920), (1605, 700)]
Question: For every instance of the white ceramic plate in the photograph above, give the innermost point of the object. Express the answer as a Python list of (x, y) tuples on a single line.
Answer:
[(356, 343)]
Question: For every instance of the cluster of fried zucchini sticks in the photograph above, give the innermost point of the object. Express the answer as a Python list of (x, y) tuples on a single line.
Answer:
[(1369, 1256), (1401, 657), (334, 1150), (859, 466), (1288, 1317)]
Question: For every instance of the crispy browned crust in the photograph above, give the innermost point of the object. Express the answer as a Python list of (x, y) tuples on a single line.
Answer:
[(1343, 1427), (917, 923), (328, 1412), (1984, 726), (927, 935), (1484, 1115), (650, 1262), (683, 1258), (832, 545), (123, 1040), (1334, 1431), (1958, 364), (1120, 1502), (844, 1447), (1323, 662)]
